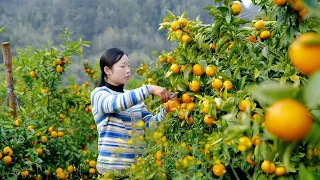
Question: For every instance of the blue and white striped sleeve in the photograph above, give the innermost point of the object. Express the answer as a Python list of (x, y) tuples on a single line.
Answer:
[(148, 117), (114, 103)]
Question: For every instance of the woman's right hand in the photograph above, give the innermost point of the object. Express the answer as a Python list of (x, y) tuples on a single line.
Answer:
[(161, 92)]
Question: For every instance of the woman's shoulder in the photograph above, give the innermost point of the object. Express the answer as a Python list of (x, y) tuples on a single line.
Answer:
[(100, 89)]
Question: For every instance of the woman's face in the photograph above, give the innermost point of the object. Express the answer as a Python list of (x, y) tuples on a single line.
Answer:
[(120, 72)]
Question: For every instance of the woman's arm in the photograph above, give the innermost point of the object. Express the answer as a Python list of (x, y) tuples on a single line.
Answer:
[(149, 118), (108, 102)]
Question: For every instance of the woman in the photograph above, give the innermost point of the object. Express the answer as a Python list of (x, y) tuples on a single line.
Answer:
[(114, 108)]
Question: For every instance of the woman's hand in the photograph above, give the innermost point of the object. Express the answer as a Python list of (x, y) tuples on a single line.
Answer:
[(161, 92)]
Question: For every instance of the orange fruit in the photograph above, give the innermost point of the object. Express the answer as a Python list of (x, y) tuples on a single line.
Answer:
[(259, 24), (7, 160), (189, 120), (268, 167), (230, 45), (210, 70), (32, 74), (256, 140), (303, 12), (30, 127), (179, 34), (183, 22), (92, 163), (286, 113), (161, 59), (39, 151), (175, 68), (298, 5), (280, 171), (7, 151), (59, 61), (61, 176), (70, 169), (150, 80), (305, 57), (190, 106), (205, 108), (197, 70), (66, 59), (54, 134), (194, 86), (236, 8), (158, 155), (50, 129), (227, 85), (59, 69), (186, 38), (158, 162), (60, 134), (170, 59), (44, 91), (208, 120), (24, 174), (280, 2), (182, 114), (92, 171), (185, 98), (184, 67), (213, 46), (175, 25), (256, 116), (216, 83), (0, 155), (219, 169), (244, 104), (44, 139), (59, 170), (174, 105), (252, 39), (265, 34)]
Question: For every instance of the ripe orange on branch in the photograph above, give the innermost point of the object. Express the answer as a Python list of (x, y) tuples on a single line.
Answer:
[(286, 113), (236, 8), (304, 53)]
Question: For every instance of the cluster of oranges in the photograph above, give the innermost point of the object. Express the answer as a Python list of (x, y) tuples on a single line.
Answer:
[(296, 5), (59, 63), (141, 71), (180, 28), (90, 72), (54, 133), (166, 59), (261, 31), (7, 153)]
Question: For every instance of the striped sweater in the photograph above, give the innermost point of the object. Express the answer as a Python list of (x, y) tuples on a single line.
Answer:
[(111, 111)]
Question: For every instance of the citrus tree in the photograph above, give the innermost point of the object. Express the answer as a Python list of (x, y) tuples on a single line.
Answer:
[(247, 102), (54, 136)]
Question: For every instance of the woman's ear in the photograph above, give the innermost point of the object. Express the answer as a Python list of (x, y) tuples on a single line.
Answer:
[(107, 70)]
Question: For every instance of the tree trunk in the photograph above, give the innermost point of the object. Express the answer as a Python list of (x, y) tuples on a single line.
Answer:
[(7, 58)]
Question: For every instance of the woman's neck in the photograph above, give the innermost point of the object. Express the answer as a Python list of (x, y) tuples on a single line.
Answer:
[(117, 88)]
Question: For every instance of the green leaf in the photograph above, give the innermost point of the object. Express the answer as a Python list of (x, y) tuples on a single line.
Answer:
[(1, 29), (270, 92), (307, 174), (203, 64), (228, 18), (311, 92), (264, 52), (256, 73)]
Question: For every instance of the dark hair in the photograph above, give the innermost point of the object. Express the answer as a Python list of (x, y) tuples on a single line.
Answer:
[(109, 58)]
